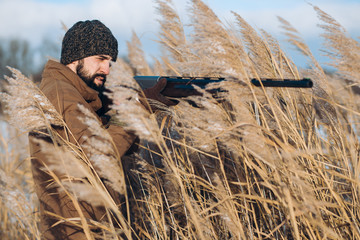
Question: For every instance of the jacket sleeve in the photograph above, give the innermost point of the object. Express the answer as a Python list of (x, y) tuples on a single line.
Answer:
[(122, 139), (67, 105)]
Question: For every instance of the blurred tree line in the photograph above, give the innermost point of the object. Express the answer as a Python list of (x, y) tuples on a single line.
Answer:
[(24, 56)]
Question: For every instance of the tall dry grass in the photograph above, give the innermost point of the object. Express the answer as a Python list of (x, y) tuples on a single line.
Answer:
[(249, 163)]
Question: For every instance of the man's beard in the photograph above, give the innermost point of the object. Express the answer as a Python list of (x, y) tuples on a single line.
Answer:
[(90, 79)]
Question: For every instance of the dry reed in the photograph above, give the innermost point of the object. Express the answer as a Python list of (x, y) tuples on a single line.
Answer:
[(245, 164)]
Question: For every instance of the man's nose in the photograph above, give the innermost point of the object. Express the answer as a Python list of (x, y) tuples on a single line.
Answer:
[(105, 67)]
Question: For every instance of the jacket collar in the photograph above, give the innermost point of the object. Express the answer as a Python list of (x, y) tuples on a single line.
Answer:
[(53, 69)]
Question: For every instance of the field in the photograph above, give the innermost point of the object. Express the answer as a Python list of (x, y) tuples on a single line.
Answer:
[(249, 163)]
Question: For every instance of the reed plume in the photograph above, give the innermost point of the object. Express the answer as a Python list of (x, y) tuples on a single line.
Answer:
[(343, 50), (18, 205), (224, 53), (172, 35), (260, 54), (127, 109), (322, 101), (102, 153), (137, 57), (26, 105)]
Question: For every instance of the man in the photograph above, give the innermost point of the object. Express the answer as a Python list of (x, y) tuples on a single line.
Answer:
[(88, 48)]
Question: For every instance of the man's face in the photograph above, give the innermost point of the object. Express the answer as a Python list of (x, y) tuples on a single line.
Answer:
[(93, 71)]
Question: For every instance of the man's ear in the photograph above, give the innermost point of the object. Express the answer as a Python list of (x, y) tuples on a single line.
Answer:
[(73, 65)]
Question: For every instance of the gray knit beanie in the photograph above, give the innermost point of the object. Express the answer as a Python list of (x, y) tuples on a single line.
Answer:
[(86, 39)]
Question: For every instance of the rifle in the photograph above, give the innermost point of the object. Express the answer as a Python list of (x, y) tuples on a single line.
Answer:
[(183, 86)]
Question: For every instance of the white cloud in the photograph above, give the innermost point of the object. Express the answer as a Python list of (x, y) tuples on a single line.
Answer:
[(299, 13), (35, 19)]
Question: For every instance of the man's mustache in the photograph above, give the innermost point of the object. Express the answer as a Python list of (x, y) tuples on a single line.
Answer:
[(103, 76)]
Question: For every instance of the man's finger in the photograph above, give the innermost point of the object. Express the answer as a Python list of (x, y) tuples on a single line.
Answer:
[(160, 85), (166, 101)]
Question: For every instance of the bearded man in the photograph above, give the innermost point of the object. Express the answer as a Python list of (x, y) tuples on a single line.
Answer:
[(88, 48)]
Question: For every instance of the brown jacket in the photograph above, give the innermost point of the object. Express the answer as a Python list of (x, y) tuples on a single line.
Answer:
[(66, 90)]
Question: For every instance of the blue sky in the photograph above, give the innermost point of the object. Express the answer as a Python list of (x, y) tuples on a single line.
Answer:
[(35, 19)]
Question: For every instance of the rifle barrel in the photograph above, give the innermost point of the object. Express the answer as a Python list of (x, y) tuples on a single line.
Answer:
[(303, 83), (186, 82)]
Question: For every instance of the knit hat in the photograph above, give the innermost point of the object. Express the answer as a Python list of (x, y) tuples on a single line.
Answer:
[(86, 39)]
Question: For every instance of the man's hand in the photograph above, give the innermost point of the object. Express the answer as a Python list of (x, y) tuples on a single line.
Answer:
[(155, 93)]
